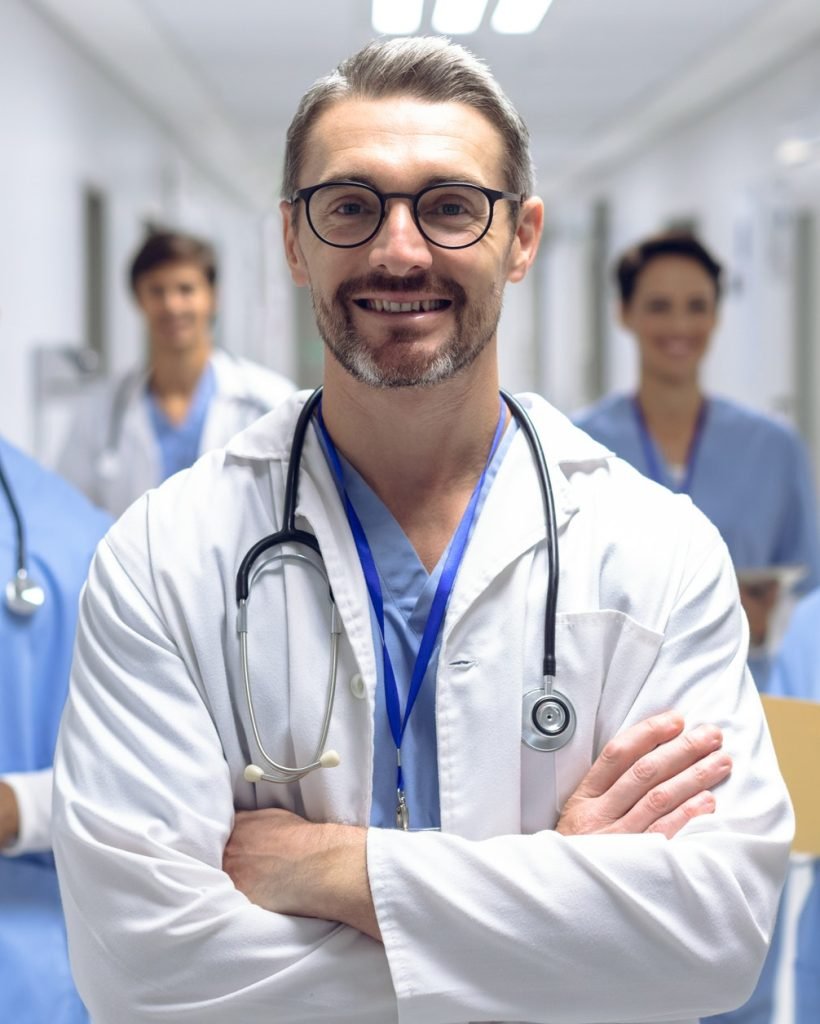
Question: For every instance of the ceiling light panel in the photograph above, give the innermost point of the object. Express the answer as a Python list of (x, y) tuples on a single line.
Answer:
[(391, 18)]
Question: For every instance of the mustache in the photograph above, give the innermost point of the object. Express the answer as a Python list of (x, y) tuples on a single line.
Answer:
[(422, 282)]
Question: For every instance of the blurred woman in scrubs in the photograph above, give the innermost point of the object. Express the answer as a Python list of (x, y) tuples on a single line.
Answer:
[(56, 530), (748, 472)]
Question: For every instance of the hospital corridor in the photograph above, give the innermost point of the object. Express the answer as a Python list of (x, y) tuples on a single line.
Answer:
[(409, 525)]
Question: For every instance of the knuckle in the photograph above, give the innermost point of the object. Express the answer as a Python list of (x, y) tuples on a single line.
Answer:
[(644, 770), (658, 800), (613, 751)]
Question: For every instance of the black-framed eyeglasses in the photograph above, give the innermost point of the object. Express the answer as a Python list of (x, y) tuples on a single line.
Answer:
[(452, 215)]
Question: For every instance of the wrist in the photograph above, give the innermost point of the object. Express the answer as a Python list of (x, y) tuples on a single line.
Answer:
[(9, 815), (342, 890)]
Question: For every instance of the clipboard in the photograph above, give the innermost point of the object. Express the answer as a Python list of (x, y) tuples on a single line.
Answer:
[(787, 578), (795, 728)]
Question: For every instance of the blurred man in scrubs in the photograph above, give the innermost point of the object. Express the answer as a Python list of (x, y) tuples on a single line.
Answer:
[(748, 472), (133, 433), (796, 673), (53, 530)]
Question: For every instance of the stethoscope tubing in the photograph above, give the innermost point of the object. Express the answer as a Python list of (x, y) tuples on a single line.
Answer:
[(545, 484), (19, 529)]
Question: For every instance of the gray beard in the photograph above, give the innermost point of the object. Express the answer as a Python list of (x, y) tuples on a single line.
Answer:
[(389, 366)]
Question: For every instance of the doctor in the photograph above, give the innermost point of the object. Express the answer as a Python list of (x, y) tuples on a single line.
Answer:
[(489, 876), (47, 535), (133, 433)]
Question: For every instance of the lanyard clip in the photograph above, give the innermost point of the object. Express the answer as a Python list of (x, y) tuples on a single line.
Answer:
[(402, 812)]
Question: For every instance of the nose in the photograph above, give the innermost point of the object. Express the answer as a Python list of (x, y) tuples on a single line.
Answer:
[(399, 248)]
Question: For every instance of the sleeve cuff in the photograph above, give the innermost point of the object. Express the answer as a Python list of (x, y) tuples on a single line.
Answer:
[(33, 793)]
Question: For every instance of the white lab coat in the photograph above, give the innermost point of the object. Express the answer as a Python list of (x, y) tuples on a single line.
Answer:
[(495, 918), (111, 453)]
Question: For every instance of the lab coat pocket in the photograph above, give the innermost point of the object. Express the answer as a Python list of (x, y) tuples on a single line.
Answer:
[(597, 652)]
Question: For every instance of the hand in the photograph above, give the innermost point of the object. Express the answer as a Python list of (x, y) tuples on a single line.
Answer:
[(291, 866), (9, 815), (653, 777), (758, 600)]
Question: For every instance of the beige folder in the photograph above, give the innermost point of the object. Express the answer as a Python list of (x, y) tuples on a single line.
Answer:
[(795, 728)]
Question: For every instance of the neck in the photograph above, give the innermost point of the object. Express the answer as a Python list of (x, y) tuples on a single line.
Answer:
[(670, 405), (422, 450), (671, 410), (176, 374)]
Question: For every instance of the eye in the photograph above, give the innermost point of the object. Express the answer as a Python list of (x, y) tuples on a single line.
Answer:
[(447, 204)]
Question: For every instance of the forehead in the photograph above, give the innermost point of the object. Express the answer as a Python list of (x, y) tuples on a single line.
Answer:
[(182, 271), (678, 273), (402, 143)]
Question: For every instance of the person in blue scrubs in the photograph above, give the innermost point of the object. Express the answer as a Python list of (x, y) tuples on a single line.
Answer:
[(748, 472), (796, 673), (59, 530)]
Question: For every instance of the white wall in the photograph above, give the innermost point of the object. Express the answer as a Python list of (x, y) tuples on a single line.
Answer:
[(721, 169), (64, 126)]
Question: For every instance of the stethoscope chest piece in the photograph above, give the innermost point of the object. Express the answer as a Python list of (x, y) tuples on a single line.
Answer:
[(548, 720), (23, 595)]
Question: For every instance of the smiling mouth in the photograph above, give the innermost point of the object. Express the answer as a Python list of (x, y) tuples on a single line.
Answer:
[(417, 306)]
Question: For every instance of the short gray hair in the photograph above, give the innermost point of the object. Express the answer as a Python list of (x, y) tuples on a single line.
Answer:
[(427, 68)]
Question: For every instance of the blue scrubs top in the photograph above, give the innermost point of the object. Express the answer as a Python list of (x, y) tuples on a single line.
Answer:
[(179, 443), (407, 590), (62, 530), (796, 673), (751, 477)]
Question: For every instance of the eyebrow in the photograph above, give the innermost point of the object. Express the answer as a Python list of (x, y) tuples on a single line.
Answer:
[(365, 178)]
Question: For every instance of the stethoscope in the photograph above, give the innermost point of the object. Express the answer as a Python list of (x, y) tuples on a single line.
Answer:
[(548, 716), (23, 595)]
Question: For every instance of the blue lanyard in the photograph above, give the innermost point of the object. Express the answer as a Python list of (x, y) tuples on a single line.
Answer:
[(397, 721), (652, 463)]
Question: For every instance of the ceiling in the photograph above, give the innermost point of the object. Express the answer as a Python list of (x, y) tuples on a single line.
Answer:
[(597, 76)]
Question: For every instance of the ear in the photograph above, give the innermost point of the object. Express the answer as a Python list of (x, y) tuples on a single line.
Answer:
[(623, 316), (293, 251), (527, 237)]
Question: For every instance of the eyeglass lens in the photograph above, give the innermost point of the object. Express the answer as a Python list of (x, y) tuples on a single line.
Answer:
[(451, 216)]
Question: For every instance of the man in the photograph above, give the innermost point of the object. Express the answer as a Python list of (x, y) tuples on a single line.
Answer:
[(443, 871), (133, 433), (47, 536)]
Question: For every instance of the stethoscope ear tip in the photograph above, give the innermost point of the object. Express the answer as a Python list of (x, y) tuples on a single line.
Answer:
[(253, 773), (330, 759)]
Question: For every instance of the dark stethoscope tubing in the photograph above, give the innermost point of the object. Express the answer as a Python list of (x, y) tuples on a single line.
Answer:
[(23, 595), (548, 716)]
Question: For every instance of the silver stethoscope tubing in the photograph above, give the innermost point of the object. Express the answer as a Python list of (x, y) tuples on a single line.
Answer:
[(23, 595), (548, 716)]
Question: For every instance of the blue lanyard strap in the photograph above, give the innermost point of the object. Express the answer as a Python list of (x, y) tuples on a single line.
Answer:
[(455, 554), (649, 451)]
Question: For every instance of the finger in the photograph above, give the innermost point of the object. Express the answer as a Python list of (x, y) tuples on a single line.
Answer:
[(663, 763), (625, 749), (670, 824), (666, 798)]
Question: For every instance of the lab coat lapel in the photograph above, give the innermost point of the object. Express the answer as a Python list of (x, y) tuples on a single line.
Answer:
[(478, 726)]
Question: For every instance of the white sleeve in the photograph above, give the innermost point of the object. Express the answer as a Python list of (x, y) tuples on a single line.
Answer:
[(606, 928), (32, 791), (143, 809)]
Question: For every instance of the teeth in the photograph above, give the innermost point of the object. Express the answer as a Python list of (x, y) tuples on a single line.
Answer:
[(382, 306)]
